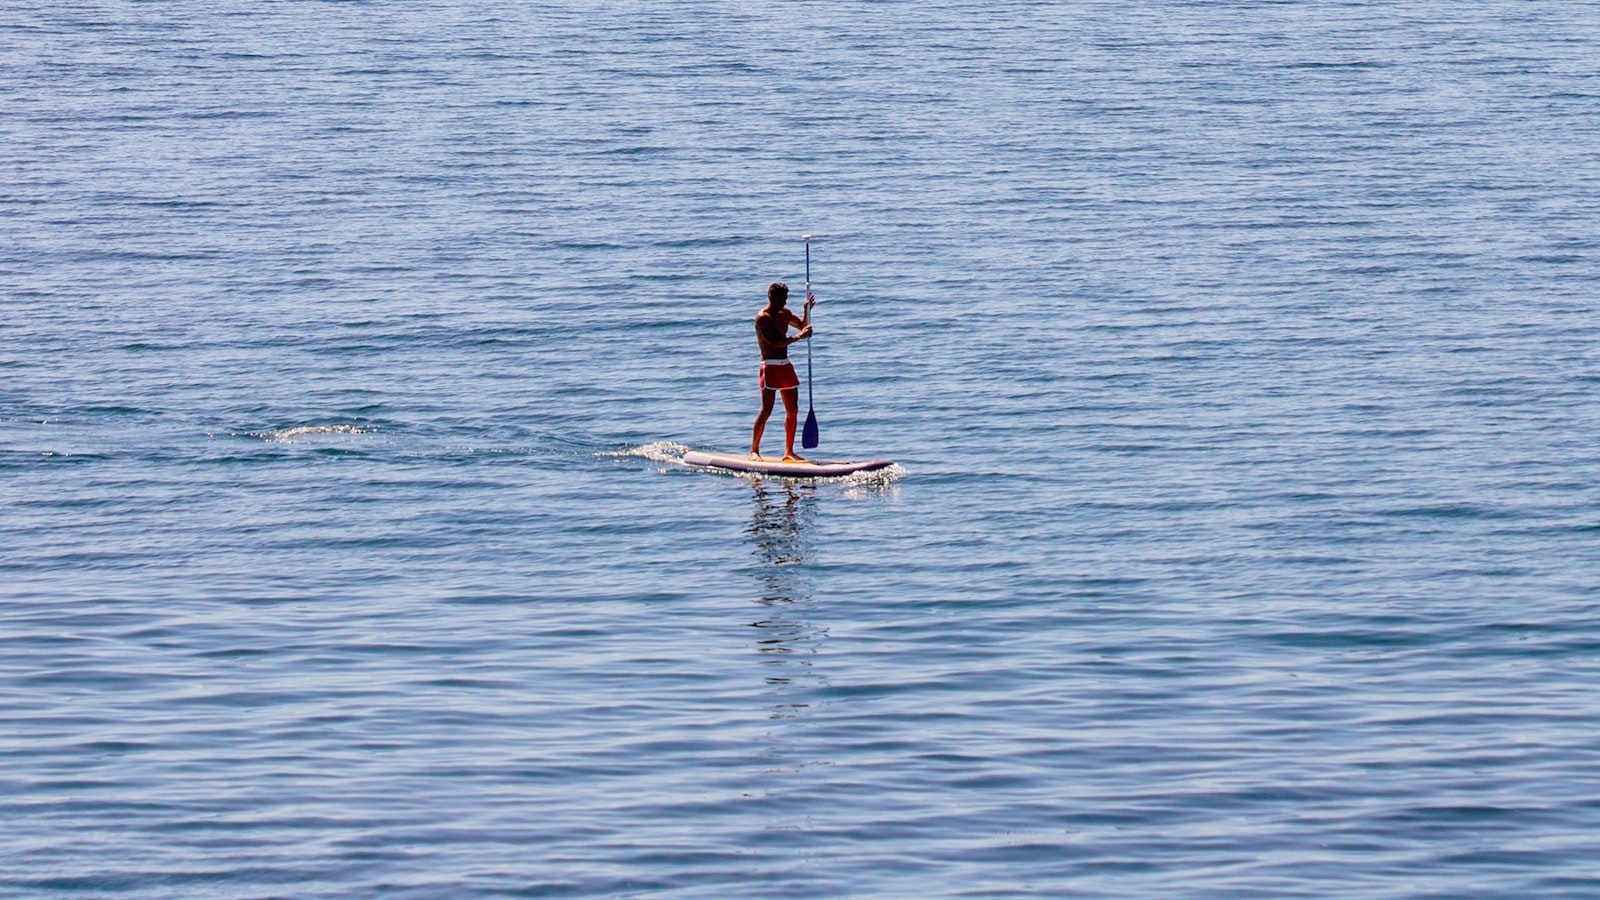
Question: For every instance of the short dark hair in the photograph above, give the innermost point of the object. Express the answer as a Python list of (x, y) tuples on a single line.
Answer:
[(778, 291)]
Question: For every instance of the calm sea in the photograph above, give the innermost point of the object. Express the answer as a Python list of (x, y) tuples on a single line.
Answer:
[(1240, 358)]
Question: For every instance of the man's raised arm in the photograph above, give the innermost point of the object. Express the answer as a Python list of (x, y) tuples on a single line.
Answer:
[(811, 300)]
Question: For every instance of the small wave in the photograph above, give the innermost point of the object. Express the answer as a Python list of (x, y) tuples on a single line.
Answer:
[(879, 476), (301, 431), (863, 482), (655, 451)]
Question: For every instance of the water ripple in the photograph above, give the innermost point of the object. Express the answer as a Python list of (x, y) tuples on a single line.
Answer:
[(1237, 356)]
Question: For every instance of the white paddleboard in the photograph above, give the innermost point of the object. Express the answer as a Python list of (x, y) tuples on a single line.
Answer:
[(812, 468)]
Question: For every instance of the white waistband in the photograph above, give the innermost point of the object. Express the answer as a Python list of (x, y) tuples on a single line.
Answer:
[(774, 362)]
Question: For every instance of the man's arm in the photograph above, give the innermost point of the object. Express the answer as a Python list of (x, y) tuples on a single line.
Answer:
[(811, 300)]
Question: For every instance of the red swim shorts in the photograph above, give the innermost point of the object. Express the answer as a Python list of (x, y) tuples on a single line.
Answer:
[(777, 374)]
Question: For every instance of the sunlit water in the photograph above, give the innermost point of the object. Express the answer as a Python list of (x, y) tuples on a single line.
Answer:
[(1239, 358)]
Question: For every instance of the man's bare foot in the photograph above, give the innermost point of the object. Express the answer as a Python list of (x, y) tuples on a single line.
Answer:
[(790, 457), (755, 454)]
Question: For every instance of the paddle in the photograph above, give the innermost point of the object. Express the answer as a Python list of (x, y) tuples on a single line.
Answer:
[(809, 437)]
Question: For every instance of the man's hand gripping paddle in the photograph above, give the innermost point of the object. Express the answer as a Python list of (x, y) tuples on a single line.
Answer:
[(809, 438)]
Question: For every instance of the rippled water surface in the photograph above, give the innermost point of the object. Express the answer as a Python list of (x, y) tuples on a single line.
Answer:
[(1239, 358)]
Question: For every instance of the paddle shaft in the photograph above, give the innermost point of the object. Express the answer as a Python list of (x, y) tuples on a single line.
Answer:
[(810, 406), (809, 436)]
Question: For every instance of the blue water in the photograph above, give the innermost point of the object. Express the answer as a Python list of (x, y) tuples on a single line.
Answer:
[(1240, 359)]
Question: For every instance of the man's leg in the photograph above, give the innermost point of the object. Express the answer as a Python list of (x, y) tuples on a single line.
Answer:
[(791, 412), (761, 422)]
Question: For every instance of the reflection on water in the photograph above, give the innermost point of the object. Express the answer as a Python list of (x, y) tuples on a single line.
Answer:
[(788, 637), (782, 512)]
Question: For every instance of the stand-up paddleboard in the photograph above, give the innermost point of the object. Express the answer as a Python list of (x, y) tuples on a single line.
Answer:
[(817, 468)]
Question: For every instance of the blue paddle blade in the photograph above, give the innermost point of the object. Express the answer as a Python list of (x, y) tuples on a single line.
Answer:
[(809, 437)]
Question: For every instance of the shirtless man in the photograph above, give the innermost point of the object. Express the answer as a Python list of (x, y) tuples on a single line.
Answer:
[(777, 373)]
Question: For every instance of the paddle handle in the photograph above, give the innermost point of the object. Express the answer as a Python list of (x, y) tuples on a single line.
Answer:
[(807, 239)]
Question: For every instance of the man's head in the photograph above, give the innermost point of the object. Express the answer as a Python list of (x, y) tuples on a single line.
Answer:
[(777, 295)]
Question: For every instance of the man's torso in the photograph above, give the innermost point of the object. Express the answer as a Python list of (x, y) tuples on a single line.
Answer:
[(771, 329)]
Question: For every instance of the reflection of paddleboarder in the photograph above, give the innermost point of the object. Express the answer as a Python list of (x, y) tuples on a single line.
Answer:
[(777, 373)]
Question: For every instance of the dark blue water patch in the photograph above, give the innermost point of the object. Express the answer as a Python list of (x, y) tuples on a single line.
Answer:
[(1448, 511), (32, 459)]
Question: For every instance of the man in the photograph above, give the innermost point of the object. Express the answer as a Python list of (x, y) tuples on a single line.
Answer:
[(777, 373)]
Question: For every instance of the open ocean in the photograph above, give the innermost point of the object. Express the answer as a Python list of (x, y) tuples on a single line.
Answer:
[(1241, 359)]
